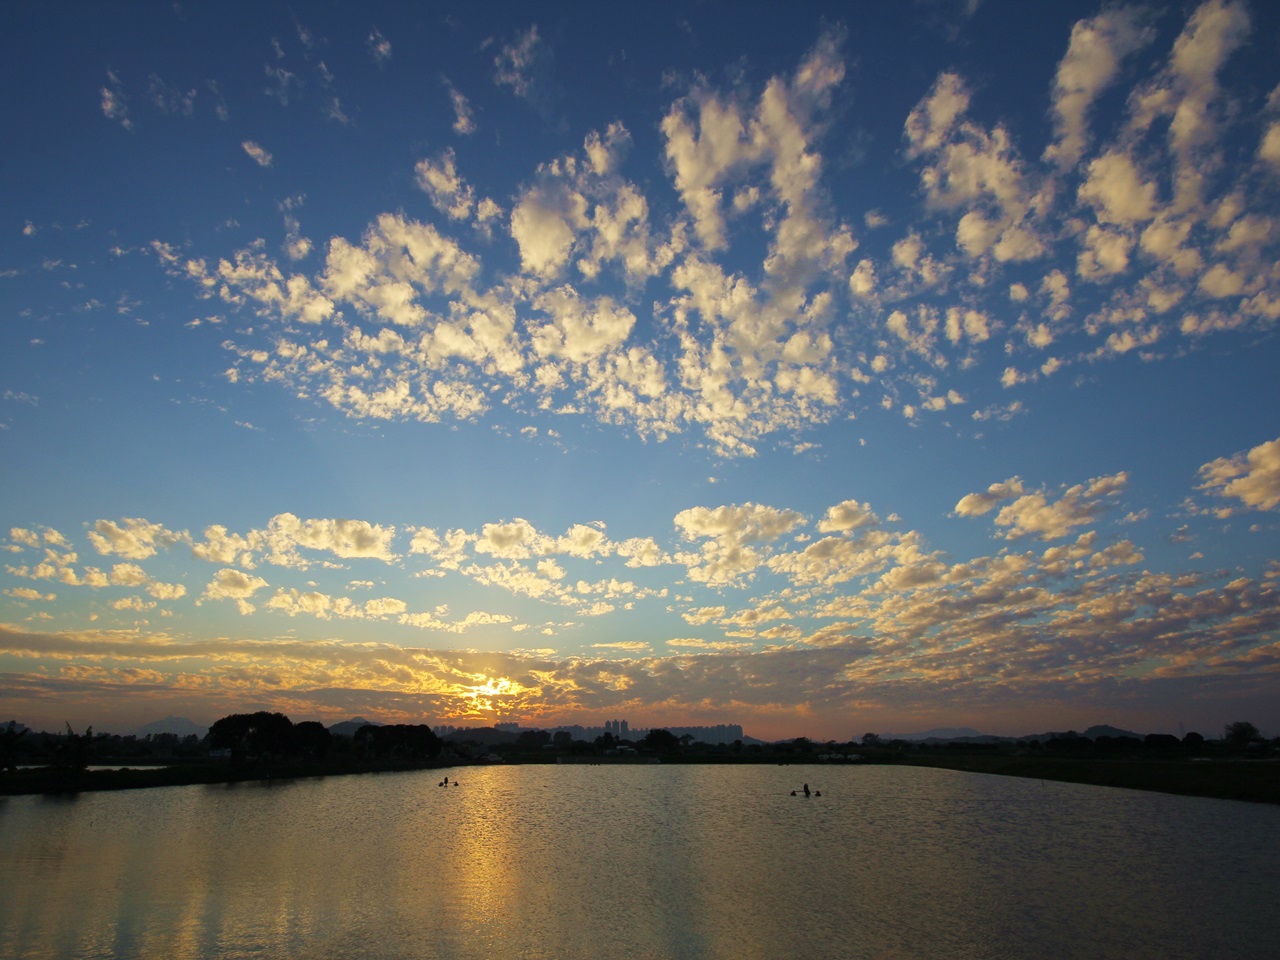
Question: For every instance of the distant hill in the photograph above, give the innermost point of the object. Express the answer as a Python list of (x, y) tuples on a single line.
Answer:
[(179, 725), (348, 728), (969, 735), (1093, 733), (941, 733)]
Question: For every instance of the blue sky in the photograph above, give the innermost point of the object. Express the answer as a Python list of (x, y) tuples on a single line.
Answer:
[(824, 370)]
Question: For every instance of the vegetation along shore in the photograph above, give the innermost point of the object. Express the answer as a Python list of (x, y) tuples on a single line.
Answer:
[(269, 747)]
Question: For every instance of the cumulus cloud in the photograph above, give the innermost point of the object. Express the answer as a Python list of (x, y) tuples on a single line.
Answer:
[(1035, 514), (448, 192), (1252, 477), (347, 539), (230, 584), (737, 538), (133, 538), (977, 504), (544, 223), (1096, 49)]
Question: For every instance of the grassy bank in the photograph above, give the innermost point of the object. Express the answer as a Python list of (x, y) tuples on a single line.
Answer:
[(1257, 781)]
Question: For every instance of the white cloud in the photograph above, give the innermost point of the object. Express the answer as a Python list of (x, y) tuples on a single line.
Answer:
[(1252, 477), (348, 539), (849, 515), (736, 538), (545, 223), (1093, 57), (1118, 191), (1034, 514), (448, 192), (515, 540), (977, 504), (525, 65), (115, 105), (133, 538), (580, 331), (260, 156), (1269, 148), (379, 47), (464, 120), (229, 584)]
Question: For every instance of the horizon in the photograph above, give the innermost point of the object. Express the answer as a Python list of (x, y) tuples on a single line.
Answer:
[(955, 731), (822, 371)]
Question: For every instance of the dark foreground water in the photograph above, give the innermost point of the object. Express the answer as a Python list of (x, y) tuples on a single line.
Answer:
[(597, 862)]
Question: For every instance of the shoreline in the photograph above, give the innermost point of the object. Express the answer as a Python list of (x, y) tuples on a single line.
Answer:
[(45, 781), (1253, 781)]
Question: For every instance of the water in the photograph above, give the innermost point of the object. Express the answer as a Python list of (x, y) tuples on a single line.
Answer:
[(560, 863)]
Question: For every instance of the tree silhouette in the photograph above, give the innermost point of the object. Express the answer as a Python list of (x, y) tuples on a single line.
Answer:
[(1240, 733), (660, 741), (9, 738), (262, 734), (72, 752)]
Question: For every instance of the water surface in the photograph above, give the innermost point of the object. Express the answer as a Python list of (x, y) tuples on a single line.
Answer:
[(566, 862)]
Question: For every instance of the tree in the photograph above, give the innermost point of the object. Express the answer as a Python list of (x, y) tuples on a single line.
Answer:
[(72, 752), (532, 740), (260, 734), (1240, 734), (311, 739), (9, 738), (605, 741), (871, 739), (660, 741)]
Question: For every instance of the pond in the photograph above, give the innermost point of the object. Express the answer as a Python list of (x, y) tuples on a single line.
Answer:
[(670, 861)]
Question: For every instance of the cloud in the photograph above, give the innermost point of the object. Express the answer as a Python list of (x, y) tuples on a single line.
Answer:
[(977, 504), (379, 47), (1096, 49), (1034, 514), (348, 539), (260, 156), (737, 539), (1118, 191), (849, 515), (978, 171), (525, 65), (464, 120), (408, 323), (516, 540), (133, 538), (115, 105), (544, 223), (229, 584), (169, 99), (439, 180), (1252, 477)]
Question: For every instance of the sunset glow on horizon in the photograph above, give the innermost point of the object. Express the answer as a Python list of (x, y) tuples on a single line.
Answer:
[(822, 370)]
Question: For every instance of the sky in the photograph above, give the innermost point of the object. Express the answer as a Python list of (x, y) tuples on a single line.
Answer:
[(826, 368)]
